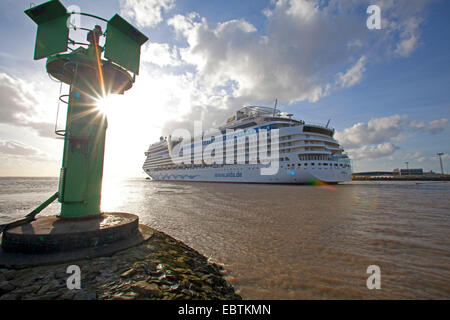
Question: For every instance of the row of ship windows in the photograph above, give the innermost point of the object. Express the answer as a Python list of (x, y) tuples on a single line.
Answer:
[(336, 165), (247, 161), (282, 138), (310, 157), (342, 165), (268, 153), (269, 140)]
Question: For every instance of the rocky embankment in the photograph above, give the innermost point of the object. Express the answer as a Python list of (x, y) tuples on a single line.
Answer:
[(159, 268)]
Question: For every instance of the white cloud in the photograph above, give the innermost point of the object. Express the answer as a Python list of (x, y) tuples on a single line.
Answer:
[(433, 127), (415, 155), (374, 139), (383, 130), (17, 99), (409, 37), (16, 150), (305, 10), (401, 22), (308, 50), (437, 126), (19, 159), (292, 62), (417, 124), (353, 75), (421, 159), (19, 105), (377, 130), (160, 54), (373, 152), (445, 156), (146, 13), (406, 47)]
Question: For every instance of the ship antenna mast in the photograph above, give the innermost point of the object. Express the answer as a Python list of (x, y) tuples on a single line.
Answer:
[(275, 108)]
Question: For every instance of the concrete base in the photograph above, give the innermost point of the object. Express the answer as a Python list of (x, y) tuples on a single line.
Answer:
[(51, 239)]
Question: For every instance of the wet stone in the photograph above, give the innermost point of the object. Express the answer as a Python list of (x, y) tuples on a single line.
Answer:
[(10, 296), (6, 287), (128, 273), (146, 289), (159, 268), (85, 295)]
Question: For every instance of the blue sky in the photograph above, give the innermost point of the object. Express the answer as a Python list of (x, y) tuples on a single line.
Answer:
[(386, 91)]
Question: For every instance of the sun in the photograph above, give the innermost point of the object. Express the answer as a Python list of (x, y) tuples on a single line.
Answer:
[(103, 104), (109, 104)]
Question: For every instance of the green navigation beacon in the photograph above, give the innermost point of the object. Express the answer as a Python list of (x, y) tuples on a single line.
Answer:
[(90, 78), (95, 62)]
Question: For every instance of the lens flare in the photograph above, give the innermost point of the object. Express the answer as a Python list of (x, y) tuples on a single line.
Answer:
[(320, 183)]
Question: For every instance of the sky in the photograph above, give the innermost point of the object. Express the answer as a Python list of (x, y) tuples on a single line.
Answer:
[(386, 90)]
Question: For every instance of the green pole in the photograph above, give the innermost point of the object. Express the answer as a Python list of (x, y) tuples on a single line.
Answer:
[(84, 144)]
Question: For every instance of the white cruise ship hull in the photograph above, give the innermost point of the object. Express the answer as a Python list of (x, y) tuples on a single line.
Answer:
[(251, 174)]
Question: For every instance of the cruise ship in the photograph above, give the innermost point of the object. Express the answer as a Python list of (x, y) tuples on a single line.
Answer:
[(256, 145)]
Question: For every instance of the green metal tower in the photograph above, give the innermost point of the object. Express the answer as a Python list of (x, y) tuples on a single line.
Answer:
[(90, 78), (92, 71)]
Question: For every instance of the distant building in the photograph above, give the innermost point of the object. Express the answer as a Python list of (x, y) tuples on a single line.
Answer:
[(404, 172), (374, 173)]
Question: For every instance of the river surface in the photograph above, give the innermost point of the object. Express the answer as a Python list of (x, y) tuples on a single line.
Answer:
[(289, 242)]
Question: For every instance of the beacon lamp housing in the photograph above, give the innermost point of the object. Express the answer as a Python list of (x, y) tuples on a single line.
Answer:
[(52, 34), (123, 44), (123, 41)]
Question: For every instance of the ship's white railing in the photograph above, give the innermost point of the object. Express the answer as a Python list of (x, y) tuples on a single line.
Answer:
[(320, 125)]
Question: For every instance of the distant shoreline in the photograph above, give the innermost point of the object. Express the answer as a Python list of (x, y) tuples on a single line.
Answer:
[(402, 178), (56, 177), (445, 177)]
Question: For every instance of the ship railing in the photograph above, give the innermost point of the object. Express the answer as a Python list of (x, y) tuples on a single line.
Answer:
[(321, 125)]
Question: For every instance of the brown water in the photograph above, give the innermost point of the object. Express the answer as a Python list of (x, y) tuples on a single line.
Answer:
[(291, 242)]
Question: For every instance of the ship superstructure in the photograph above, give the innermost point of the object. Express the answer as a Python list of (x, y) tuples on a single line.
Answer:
[(255, 145)]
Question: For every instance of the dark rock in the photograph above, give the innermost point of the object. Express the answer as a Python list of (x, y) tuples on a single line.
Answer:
[(174, 288), (27, 290), (10, 296), (6, 287), (127, 296), (146, 289), (140, 277), (161, 268), (68, 295), (85, 295), (10, 275), (128, 273), (50, 296)]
